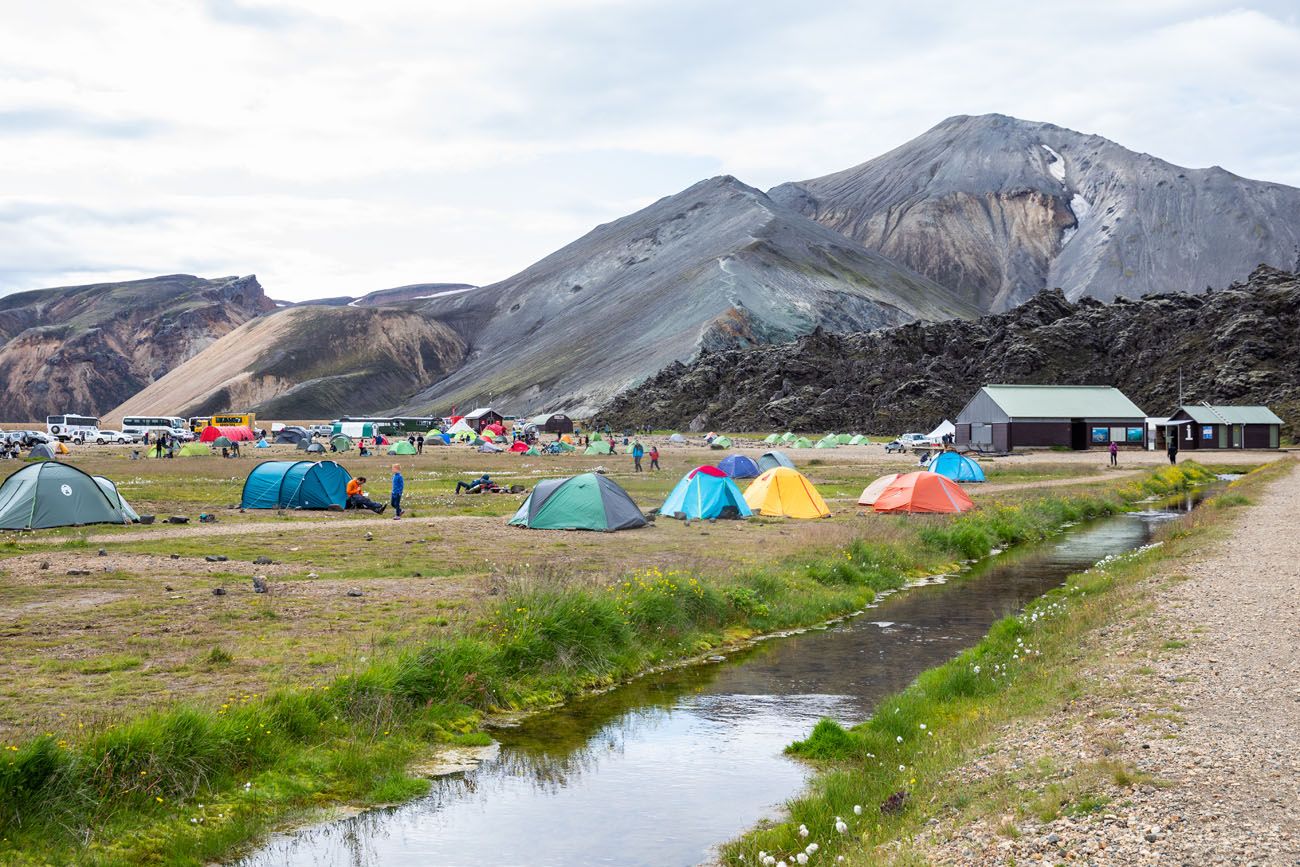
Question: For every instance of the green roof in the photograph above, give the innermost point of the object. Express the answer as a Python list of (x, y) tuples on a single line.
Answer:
[(1063, 401), (1211, 414)]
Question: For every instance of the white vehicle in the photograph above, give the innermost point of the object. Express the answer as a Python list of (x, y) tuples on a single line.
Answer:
[(321, 430), (77, 428), (113, 437), (910, 441), (139, 425)]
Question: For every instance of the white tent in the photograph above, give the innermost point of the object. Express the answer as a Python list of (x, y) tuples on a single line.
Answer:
[(460, 426), (945, 428), (677, 439)]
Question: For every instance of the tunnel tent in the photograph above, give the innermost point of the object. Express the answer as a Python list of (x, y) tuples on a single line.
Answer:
[(341, 443), (925, 493), (772, 439), (114, 495), (721, 442), (677, 439), (597, 447), (401, 447), (585, 502), (957, 467), (42, 452), (872, 492), (773, 459), (739, 467), (296, 485), (785, 493), (704, 493), (237, 434), (50, 494), (566, 447)]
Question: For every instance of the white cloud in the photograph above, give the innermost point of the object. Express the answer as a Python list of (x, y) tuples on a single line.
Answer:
[(334, 147)]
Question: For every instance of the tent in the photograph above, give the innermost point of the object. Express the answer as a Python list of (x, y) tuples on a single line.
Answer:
[(784, 492), (519, 446), (292, 436), (296, 485), (567, 447), (225, 443), (496, 428), (720, 443), (107, 486), (827, 442), (585, 502), (705, 492), (957, 467), (945, 428), (532, 450), (773, 459), (460, 427), (772, 438), (739, 467), (488, 435), (677, 439), (263, 444), (597, 448), (801, 443), (51, 494), (238, 434), (401, 447), (872, 492), (315, 449), (566, 438), (42, 452), (843, 439), (489, 448), (341, 443), (194, 450), (857, 440), (923, 492), (61, 448), (787, 437), (463, 436)]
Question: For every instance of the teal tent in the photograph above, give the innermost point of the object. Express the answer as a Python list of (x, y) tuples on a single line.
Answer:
[(296, 485), (705, 492), (585, 502), (51, 494), (107, 486), (957, 467), (773, 459)]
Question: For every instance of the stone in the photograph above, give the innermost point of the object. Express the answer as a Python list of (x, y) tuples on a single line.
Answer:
[(259, 584), (218, 591), (355, 593), (263, 560), (216, 558)]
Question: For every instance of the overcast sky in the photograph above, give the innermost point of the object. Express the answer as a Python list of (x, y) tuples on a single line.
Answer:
[(339, 147)]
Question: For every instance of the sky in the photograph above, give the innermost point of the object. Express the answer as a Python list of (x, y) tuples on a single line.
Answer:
[(334, 148)]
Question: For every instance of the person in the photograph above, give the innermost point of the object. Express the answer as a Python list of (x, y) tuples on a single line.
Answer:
[(1114, 453), (234, 449), (1173, 450), (612, 449), (419, 444), (364, 452), (145, 439), (357, 498), (399, 485), (478, 486), (158, 447), (654, 457), (637, 451)]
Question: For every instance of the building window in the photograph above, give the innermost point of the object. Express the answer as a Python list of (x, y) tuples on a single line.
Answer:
[(1100, 435), (1135, 435), (1207, 431)]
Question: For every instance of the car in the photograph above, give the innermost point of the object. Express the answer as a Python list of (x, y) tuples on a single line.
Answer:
[(321, 430), (909, 441), (27, 438), (110, 437)]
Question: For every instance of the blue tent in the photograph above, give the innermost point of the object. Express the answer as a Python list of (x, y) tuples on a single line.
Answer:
[(705, 492), (739, 467), (957, 467), (263, 444), (296, 485)]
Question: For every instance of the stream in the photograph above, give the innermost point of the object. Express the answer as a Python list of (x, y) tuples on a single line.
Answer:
[(661, 770)]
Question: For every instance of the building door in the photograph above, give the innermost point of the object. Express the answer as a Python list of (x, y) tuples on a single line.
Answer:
[(1078, 434), (1223, 436), (1236, 436)]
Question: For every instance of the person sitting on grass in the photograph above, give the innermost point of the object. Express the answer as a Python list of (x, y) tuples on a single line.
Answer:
[(480, 485), (357, 498)]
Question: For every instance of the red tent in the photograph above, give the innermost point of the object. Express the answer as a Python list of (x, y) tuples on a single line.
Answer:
[(519, 446), (496, 428), (708, 471), (234, 434), (923, 492)]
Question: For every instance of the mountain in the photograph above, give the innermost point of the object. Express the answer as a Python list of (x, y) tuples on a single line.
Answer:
[(998, 209), (717, 265), (307, 362), (1231, 346), (84, 349), (385, 297)]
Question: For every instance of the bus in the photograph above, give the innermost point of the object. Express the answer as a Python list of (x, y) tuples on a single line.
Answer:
[(236, 419), (71, 427), (139, 425), (199, 422)]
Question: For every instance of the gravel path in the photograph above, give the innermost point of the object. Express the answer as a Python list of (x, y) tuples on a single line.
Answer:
[(1198, 705)]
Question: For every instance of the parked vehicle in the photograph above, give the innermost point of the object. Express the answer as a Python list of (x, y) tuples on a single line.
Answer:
[(910, 441), (113, 437), (71, 427), (138, 425), (321, 430)]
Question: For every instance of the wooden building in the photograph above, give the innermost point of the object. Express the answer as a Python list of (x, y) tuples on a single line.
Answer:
[(552, 422), (1005, 417), (1205, 426), (482, 417)]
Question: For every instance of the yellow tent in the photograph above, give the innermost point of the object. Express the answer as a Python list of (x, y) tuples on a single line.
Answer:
[(60, 448), (566, 438), (783, 492)]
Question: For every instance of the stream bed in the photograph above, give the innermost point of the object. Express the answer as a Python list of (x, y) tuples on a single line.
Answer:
[(661, 770)]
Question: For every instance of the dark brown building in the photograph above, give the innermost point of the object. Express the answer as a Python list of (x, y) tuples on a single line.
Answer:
[(1204, 426), (552, 422), (1006, 417), (481, 418)]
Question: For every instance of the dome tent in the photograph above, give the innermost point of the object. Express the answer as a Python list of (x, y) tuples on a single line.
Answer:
[(773, 459), (585, 502), (401, 447), (957, 467), (771, 439), (194, 450), (844, 439), (705, 492), (923, 492), (857, 440), (315, 449), (292, 436), (784, 492), (720, 443), (739, 467), (296, 485), (341, 443), (597, 447), (827, 442), (532, 450), (787, 437), (42, 452), (263, 444), (50, 494), (872, 492), (518, 446), (801, 443), (677, 439), (107, 486)]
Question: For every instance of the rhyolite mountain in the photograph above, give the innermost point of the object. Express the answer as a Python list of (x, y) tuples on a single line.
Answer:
[(1233, 346), (84, 349), (716, 265), (998, 209)]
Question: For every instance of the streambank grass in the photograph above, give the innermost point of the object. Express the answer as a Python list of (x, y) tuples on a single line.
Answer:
[(885, 778)]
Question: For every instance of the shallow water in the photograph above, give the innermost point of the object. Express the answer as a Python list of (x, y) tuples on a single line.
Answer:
[(660, 771)]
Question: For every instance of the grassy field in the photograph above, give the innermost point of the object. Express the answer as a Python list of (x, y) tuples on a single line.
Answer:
[(136, 644)]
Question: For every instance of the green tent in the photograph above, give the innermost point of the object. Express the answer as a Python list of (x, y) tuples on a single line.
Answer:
[(567, 447), (720, 443), (801, 443), (787, 437), (827, 442), (341, 443), (843, 439), (195, 450), (107, 486), (597, 437), (50, 494), (401, 447), (772, 438), (857, 440), (597, 447), (532, 450), (585, 502)]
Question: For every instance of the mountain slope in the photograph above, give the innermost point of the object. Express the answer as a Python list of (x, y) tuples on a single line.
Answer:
[(998, 209), (716, 265), (308, 362), (1232, 346), (84, 349)]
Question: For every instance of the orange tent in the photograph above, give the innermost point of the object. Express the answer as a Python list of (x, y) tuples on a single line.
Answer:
[(923, 492)]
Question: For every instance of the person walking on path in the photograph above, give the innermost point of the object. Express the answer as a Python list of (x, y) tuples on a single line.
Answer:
[(1114, 454), (638, 451), (419, 444), (1173, 451), (399, 485), (654, 457)]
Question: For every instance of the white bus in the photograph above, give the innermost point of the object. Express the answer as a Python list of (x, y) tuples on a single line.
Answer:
[(71, 427), (139, 425)]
